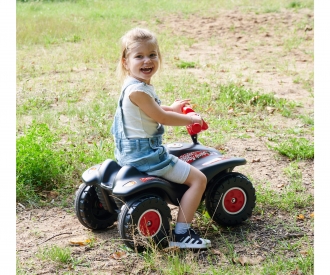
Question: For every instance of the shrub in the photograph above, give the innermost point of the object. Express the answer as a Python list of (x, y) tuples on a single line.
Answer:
[(39, 166)]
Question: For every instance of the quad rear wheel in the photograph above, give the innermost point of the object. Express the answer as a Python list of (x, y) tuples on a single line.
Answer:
[(90, 211), (144, 221), (230, 199)]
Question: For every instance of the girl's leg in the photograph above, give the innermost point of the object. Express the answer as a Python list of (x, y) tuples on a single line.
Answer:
[(183, 236), (191, 199)]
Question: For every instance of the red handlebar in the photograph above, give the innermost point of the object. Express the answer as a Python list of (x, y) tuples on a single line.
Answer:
[(195, 128)]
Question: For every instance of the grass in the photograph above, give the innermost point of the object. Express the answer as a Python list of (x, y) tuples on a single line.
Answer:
[(186, 64), (296, 148), (56, 254), (61, 257), (67, 95)]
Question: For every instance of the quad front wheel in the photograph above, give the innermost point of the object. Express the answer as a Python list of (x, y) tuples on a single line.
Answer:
[(144, 221), (89, 210), (230, 199)]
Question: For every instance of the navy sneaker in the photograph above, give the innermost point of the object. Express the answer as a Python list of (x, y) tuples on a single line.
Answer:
[(190, 239)]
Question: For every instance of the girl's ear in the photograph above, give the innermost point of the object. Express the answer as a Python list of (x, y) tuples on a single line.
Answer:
[(124, 62)]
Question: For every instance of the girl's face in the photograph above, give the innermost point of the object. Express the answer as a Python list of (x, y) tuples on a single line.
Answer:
[(142, 61)]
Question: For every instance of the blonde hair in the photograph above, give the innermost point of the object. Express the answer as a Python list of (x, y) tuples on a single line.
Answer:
[(136, 35)]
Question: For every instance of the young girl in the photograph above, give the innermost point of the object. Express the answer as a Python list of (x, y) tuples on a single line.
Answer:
[(138, 130)]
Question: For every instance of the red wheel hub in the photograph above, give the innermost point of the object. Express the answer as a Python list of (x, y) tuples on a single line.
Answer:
[(234, 200), (150, 223)]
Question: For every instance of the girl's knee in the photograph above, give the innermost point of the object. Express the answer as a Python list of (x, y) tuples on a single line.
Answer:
[(201, 181), (196, 178)]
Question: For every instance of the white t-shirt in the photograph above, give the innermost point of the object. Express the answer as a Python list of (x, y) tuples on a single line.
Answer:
[(136, 123)]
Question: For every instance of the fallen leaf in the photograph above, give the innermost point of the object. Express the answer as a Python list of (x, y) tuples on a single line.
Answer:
[(53, 194), (308, 28), (300, 217), (304, 252), (312, 215), (119, 255), (270, 109), (280, 185), (81, 243), (216, 252), (296, 272), (230, 111), (256, 160)]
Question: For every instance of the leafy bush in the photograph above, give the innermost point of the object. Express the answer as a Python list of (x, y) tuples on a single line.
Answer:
[(39, 166)]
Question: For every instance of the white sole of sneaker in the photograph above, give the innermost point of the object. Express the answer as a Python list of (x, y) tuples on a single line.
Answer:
[(189, 245)]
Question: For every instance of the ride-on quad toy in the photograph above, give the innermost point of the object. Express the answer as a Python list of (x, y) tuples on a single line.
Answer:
[(139, 202)]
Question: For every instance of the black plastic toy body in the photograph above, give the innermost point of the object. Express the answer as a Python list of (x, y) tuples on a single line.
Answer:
[(139, 202)]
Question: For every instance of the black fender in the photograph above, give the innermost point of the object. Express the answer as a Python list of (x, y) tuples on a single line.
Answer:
[(206, 159), (103, 174), (130, 181), (216, 164), (92, 175)]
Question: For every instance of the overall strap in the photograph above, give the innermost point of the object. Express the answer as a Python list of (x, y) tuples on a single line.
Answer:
[(131, 82), (119, 111)]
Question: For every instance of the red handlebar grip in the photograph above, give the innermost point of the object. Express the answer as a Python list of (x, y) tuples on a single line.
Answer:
[(187, 110), (195, 128)]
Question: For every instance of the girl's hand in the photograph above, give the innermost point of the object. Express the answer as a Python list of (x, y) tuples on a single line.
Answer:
[(179, 104), (195, 118)]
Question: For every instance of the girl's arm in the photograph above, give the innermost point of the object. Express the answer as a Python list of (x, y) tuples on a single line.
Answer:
[(162, 116), (176, 106)]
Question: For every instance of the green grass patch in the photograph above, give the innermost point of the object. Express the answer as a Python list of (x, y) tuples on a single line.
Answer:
[(56, 254), (295, 148), (287, 199), (186, 64), (61, 257), (278, 264)]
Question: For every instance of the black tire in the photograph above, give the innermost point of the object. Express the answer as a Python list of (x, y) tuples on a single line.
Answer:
[(144, 221), (230, 199), (89, 209)]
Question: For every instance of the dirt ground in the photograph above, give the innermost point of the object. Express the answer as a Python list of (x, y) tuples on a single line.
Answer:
[(251, 52)]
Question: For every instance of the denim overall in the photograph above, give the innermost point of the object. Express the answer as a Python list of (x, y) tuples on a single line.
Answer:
[(146, 154)]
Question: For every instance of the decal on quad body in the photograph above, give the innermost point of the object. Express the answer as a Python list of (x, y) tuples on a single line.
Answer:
[(147, 179), (191, 157)]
